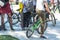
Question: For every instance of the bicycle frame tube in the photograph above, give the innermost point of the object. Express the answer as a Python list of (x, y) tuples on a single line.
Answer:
[(35, 25)]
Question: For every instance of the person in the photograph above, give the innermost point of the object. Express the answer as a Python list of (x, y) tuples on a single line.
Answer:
[(21, 7), (53, 3), (26, 15), (40, 10), (6, 10)]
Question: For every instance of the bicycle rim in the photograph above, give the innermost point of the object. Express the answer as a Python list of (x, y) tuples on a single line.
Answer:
[(19, 18), (53, 20), (14, 18), (29, 33)]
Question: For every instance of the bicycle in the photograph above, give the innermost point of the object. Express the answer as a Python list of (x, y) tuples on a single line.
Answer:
[(52, 16), (34, 26), (52, 19), (56, 6), (16, 17)]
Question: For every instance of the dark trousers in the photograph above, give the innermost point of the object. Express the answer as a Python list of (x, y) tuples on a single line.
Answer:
[(25, 19)]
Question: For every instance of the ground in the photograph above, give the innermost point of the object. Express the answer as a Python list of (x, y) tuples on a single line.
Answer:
[(52, 32)]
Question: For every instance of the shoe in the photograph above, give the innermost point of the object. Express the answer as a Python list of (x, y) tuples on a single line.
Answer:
[(43, 37), (5, 29), (23, 28), (12, 29)]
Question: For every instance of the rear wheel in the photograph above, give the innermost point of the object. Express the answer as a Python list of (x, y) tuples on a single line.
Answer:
[(14, 18), (53, 19), (39, 28)]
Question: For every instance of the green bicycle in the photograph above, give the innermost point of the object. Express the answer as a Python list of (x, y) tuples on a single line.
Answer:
[(34, 26)]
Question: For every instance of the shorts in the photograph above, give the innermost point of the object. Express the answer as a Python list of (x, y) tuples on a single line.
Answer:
[(42, 15), (5, 9)]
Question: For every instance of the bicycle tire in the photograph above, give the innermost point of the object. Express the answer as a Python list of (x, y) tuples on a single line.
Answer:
[(15, 17), (39, 28), (53, 19), (27, 33), (55, 8), (30, 28), (19, 17)]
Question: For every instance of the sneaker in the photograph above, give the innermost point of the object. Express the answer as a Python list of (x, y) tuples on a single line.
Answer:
[(24, 28), (12, 29), (5, 29), (43, 37)]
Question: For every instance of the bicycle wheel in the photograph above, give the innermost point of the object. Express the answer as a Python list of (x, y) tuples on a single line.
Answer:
[(30, 29), (14, 18), (53, 19), (19, 17), (29, 33), (39, 28), (55, 8)]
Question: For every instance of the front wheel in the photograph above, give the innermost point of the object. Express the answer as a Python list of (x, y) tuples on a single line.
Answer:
[(30, 29), (29, 33)]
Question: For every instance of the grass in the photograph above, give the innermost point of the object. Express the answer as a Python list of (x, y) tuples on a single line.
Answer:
[(7, 37)]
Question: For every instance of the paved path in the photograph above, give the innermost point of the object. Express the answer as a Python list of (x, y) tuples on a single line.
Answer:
[(52, 33)]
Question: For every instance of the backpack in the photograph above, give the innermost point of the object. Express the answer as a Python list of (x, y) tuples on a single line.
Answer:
[(3, 2)]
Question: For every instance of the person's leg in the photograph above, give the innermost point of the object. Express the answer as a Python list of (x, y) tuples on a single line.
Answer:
[(10, 20), (28, 17), (42, 17), (23, 21), (43, 20), (2, 22), (42, 24)]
